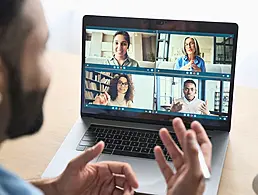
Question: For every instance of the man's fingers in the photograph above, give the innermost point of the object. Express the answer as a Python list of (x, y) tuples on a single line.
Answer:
[(119, 180), (201, 108), (201, 134), (163, 165), (173, 150), (194, 171), (126, 190), (201, 187), (87, 155), (178, 103), (191, 154), (179, 129), (203, 141), (123, 169)]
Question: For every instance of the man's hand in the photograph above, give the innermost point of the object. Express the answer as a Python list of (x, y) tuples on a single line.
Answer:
[(176, 107), (204, 108), (188, 178), (107, 178)]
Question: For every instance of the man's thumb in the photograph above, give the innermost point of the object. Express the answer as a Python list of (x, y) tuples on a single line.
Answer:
[(87, 155)]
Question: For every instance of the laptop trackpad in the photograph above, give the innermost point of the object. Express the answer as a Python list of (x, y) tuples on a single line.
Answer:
[(150, 179)]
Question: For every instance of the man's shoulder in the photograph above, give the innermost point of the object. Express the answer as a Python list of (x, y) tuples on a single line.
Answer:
[(109, 61), (199, 101), (12, 184)]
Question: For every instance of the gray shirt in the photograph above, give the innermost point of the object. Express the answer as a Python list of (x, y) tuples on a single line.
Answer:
[(128, 62)]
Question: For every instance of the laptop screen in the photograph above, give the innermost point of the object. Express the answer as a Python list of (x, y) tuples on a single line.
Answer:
[(148, 70)]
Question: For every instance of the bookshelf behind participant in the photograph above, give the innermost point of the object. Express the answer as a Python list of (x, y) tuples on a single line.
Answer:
[(95, 84)]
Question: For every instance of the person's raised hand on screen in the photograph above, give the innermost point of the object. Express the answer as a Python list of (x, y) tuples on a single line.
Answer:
[(102, 99), (188, 178), (204, 108), (176, 106)]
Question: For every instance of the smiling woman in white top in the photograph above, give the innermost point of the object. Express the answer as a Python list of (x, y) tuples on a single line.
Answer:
[(121, 44), (120, 93)]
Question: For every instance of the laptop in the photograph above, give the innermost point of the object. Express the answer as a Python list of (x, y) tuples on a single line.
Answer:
[(134, 70)]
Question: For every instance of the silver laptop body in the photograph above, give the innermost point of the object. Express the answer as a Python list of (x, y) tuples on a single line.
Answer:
[(156, 45)]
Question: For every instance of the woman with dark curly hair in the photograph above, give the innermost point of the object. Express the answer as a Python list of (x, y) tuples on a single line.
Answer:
[(120, 93)]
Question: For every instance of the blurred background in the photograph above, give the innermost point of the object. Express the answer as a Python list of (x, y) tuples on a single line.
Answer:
[(64, 19)]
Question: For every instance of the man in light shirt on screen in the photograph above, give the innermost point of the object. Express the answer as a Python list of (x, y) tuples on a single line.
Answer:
[(190, 103)]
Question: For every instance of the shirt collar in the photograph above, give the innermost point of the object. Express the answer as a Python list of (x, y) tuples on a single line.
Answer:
[(189, 102), (126, 59)]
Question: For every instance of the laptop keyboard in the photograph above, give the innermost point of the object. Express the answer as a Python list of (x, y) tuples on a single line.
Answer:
[(124, 141)]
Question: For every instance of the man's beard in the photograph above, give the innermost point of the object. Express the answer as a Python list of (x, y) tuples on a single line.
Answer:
[(26, 114), (26, 107)]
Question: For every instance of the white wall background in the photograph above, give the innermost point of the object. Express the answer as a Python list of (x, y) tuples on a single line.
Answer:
[(143, 94), (64, 19)]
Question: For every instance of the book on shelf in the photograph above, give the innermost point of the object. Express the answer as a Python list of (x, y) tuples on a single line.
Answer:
[(96, 83), (93, 85), (90, 95), (106, 73), (104, 88), (105, 81), (89, 75)]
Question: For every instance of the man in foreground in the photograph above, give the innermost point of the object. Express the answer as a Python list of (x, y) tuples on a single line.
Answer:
[(24, 79)]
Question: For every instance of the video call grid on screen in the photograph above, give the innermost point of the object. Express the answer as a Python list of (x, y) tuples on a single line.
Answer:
[(157, 55)]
